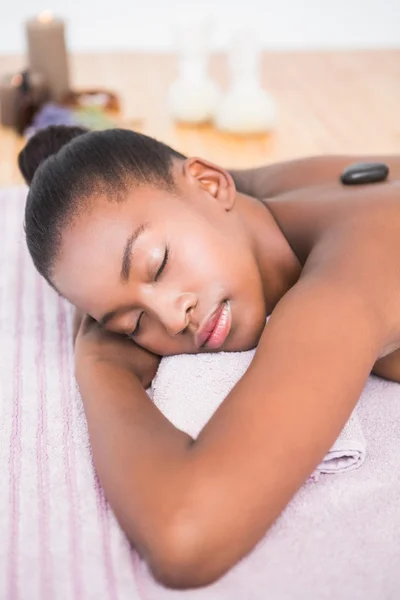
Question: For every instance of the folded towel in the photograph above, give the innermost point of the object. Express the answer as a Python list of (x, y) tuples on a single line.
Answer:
[(189, 388)]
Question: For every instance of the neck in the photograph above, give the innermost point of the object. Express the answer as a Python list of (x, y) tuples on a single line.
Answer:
[(278, 264)]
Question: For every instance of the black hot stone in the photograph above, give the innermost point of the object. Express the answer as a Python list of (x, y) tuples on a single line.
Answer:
[(369, 172)]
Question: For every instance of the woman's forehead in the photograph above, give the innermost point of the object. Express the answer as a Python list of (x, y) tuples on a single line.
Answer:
[(94, 244)]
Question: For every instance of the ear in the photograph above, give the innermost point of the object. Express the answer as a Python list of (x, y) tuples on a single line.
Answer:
[(212, 179)]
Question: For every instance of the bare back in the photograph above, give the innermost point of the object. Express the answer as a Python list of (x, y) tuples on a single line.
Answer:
[(364, 220)]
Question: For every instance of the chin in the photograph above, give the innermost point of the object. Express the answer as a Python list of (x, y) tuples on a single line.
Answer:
[(251, 333), (241, 343), (241, 346)]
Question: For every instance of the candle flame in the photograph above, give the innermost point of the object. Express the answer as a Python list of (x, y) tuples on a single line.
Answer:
[(46, 16)]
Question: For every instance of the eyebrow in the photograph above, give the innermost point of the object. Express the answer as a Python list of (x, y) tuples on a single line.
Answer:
[(125, 267)]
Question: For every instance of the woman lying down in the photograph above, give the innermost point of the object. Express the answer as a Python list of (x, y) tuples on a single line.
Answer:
[(165, 255)]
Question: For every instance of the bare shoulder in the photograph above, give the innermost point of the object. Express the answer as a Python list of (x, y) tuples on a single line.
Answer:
[(278, 178), (362, 252), (306, 215)]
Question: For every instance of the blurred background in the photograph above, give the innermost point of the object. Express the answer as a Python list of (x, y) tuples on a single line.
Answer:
[(148, 24), (242, 82)]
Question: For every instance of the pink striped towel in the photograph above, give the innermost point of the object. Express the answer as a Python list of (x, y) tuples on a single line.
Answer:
[(339, 538)]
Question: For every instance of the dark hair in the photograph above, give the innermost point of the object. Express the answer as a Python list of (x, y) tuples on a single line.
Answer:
[(66, 166), (42, 145)]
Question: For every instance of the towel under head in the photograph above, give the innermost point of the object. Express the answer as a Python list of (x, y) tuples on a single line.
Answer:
[(189, 388)]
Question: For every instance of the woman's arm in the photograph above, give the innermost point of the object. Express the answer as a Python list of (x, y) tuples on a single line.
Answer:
[(194, 508), (139, 455), (275, 179)]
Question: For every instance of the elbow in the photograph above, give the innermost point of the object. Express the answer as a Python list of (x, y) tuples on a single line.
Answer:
[(184, 560)]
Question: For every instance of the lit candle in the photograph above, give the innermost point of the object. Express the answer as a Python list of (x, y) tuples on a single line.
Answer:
[(9, 90), (47, 53)]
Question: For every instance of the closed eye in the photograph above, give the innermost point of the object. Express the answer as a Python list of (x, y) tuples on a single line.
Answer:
[(163, 264), (135, 332)]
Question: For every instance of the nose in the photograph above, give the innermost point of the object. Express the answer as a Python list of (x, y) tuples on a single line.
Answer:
[(174, 311)]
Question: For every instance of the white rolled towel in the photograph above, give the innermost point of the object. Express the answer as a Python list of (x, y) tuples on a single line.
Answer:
[(188, 389)]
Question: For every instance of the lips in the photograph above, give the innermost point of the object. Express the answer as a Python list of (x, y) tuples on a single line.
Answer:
[(215, 330)]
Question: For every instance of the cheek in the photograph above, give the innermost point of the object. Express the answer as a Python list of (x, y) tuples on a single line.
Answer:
[(159, 342), (205, 254), (215, 266), (90, 285)]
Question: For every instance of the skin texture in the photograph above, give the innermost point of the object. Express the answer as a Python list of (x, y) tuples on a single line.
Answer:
[(322, 258)]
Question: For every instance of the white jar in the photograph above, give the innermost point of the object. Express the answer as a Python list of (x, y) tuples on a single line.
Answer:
[(193, 96), (246, 108)]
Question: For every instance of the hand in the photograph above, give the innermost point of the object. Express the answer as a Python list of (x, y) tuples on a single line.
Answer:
[(93, 343)]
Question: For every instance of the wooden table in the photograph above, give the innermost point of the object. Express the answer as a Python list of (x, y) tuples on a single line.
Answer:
[(329, 102)]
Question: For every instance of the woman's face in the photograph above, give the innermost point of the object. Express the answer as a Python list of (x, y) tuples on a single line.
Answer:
[(174, 270)]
